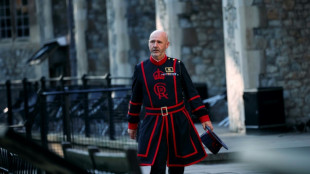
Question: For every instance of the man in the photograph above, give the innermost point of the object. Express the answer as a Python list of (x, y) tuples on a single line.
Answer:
[(167, 133)]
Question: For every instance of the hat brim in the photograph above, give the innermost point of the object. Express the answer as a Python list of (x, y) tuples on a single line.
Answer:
[(217, 138), (212, 141)]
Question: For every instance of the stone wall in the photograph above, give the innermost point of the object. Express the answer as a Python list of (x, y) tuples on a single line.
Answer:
[(286, 41), (141, 22), (59, 14), (97, 38), (202, 43), (13, 59), (140, 17)]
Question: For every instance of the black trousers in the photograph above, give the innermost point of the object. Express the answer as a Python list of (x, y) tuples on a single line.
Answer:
[(159, 166)]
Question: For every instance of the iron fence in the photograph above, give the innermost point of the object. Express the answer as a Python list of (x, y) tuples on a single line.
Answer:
[(84, 117), (12, 163), (84, 111)]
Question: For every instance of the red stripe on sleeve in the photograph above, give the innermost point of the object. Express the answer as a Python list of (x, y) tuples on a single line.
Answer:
[(202, 106), (135, 103), (193, 98)]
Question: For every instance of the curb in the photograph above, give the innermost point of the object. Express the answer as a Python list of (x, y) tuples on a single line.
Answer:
[(223, 157), (228, 157)]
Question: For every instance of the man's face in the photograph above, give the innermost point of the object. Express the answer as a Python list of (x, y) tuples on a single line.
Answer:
[(158, 44)]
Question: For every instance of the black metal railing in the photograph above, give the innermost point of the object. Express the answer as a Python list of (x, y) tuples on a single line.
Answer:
[(12, 163), (90, 110), (77, 115), (20, 96)]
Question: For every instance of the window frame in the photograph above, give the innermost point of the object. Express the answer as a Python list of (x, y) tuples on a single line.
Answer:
[(14, 21)]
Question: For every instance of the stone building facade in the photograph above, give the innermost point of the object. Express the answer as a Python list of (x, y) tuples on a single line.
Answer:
[(267, 45), (202, 45), (284, 37), (97, 38), (14, 50), (229, 45)]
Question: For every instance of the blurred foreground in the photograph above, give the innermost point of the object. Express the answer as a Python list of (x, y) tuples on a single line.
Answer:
[(259, 152)]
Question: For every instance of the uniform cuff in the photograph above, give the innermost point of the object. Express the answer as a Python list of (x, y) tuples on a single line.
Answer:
[(204, 118), (133, 126)]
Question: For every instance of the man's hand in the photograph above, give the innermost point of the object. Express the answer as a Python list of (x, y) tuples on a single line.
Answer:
[(132, 133), (207, 123)]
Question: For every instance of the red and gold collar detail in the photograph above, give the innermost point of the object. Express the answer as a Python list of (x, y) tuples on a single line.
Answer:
[(158, 63)]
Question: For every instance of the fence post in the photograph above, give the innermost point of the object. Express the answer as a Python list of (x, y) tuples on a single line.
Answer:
[(36, 86), (26, 107), (43, 85), (44, 119), (110, 109), (66, 115), (9, 102), (86, 111), (43, 113)]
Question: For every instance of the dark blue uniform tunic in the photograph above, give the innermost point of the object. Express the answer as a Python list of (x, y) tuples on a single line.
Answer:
[(162, 88)]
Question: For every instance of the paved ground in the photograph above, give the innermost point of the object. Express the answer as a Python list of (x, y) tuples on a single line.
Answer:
[(256, 153), (227, 168), (230, 168)]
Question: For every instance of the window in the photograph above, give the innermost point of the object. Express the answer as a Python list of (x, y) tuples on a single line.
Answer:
[(14, 19)]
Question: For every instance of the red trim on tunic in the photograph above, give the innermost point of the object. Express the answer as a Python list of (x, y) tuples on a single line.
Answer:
[(171, 112), (175, 83), (202, 106), (165, 122), (193, 98), (180, 165), (135, 103), (145, 155), (159, 141), (190, 120), (167, 138), (158, 63), (150, 140), (183, 165), (169, 107), (147, 88), (175, 144)]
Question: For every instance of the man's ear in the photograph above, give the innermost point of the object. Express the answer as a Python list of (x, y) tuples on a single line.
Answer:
[(168, 43)]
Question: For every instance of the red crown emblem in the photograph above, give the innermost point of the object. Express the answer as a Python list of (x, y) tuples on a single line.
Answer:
[(158, 75)]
